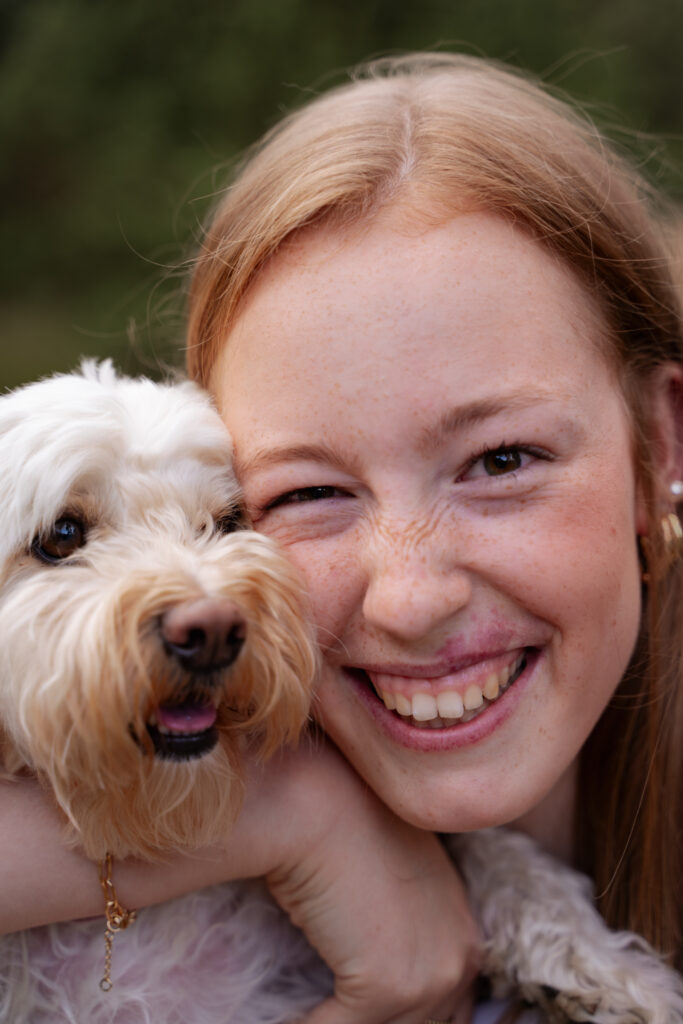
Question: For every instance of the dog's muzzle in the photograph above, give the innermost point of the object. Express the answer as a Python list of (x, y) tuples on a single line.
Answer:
[(204, 637)]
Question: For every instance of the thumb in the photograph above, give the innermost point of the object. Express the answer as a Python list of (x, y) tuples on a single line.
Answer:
[(331, 1011)]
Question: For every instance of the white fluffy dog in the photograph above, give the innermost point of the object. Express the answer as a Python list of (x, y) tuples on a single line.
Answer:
[(143, 639), (143, 636)]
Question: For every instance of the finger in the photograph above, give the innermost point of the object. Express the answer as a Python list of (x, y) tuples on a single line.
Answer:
[(460, 1011), (334, 1012)]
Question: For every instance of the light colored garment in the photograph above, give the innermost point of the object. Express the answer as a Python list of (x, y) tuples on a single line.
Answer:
[(492, 1011)]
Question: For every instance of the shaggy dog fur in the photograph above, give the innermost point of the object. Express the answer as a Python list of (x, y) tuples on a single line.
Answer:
[(228, 955), (142, 640), (138, 625)]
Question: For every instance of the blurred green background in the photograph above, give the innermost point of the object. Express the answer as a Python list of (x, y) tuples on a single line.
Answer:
[(118, 120)]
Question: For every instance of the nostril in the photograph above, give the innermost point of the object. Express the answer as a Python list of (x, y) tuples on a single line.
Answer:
[(193, 642), (203, 635)]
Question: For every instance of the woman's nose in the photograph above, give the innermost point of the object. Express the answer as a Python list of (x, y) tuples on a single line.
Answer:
[(412, 586)]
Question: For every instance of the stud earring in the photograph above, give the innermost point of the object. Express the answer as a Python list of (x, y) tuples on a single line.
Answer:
[(676, 488)]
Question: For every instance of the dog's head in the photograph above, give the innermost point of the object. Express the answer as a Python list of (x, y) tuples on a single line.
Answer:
[(144, 637)]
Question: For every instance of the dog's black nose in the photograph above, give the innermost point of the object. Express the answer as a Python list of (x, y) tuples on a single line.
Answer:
[(204, 635)]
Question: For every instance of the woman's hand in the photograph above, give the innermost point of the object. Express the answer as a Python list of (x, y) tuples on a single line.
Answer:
[(378, 899)]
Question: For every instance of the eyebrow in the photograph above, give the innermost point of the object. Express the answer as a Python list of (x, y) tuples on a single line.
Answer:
[(464, 416), (263, 457), (453, 421)]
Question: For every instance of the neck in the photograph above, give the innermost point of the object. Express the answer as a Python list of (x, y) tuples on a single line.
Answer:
[(551, 822)]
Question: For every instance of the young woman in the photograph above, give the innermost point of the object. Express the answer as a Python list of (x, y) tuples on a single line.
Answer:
[(439, 320)]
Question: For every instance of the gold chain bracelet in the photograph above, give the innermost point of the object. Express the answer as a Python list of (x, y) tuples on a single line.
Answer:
[(117, 918)]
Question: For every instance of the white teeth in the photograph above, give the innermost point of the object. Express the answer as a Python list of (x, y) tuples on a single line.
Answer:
[(448, 707), (450, 704), (404, 705), (424, 707), (492, 686), (473, 697), (389, 699)]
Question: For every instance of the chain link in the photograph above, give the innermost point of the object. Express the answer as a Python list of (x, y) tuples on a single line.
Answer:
[(117, 918)]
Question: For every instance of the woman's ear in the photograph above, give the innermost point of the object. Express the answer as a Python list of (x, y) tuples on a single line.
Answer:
[(665, 423)]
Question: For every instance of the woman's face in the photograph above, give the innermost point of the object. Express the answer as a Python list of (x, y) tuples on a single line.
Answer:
[(423, 419)]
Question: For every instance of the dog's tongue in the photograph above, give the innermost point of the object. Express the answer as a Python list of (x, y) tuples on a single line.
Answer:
[(187, 718)]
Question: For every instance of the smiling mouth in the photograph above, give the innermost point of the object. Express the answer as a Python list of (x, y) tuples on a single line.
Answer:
[(448, 707), (182, 732)]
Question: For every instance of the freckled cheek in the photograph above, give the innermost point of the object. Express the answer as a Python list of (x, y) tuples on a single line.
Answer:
[(333, 585), (578, 565)]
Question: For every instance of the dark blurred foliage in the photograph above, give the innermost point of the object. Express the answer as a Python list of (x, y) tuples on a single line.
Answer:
[(117, 121)]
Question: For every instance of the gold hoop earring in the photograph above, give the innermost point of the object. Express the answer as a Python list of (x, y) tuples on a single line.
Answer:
[(671, 532), (672, 535)]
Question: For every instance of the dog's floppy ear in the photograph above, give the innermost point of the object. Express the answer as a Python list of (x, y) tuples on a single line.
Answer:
[(13, 454), (42, 454), (11, 762), (55, 434)]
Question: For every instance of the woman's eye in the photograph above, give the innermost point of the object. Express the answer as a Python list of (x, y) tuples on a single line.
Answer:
[(303, 494), (62, 540), (503, 461)]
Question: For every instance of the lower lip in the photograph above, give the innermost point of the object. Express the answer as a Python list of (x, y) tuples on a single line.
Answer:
[(452, 737)]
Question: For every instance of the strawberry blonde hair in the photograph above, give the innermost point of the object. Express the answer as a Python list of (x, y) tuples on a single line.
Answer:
[(447, 132)]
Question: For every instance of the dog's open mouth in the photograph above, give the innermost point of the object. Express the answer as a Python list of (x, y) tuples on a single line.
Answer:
[(181, 732)]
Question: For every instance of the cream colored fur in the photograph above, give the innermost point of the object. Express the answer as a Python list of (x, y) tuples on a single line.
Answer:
[(545, 941), (146, 467)]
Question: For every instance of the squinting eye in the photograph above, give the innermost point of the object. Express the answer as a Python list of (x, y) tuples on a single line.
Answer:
[(303, 494), (501, 461), (65, 537)]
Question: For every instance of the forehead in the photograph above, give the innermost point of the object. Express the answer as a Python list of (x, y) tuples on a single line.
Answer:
[(467, 302)]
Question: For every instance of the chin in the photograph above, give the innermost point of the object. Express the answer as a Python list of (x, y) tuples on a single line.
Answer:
[(488, 796)]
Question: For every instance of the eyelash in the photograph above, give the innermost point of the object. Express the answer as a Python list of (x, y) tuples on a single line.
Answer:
[(302, 495), (505, 449)]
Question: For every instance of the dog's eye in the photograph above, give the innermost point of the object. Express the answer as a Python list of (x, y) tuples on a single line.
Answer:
[(234, 519), (65, 537)]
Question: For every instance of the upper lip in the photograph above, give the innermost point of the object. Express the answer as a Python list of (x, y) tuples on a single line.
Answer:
[(436, 669)]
